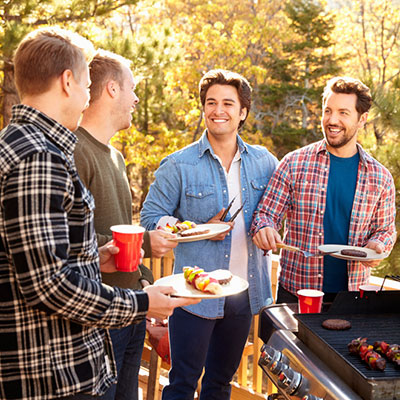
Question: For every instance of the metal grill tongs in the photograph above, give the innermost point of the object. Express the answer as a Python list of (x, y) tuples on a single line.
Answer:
[(305, 253), (393, 277)]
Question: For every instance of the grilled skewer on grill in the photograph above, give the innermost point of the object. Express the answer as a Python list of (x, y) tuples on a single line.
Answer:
[(373, 359), (390, 351)]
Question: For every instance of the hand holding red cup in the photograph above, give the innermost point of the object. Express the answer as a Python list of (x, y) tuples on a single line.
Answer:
[(128, 238)]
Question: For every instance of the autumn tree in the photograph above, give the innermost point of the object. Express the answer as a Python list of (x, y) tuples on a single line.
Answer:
[(298, 73), (18, 17)]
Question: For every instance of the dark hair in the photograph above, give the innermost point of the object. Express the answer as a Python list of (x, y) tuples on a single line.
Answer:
[(104, 67), (344, 84), (44, 54), (224, 77)]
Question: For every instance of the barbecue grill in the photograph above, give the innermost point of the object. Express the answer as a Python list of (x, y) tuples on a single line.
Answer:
[(306, 361)]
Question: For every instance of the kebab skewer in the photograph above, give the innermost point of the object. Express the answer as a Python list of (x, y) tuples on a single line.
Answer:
[(366, 352), (201, 280), (390, 351)]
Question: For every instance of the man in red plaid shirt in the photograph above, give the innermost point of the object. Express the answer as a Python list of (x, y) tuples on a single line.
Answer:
[(331, 192)]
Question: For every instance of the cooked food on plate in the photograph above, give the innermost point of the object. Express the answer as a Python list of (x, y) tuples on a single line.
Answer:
[(223, 276), (201, 280), (182, 229), (353, 253)]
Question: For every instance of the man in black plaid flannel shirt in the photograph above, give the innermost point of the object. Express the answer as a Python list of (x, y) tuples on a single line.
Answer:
[(54, 310)]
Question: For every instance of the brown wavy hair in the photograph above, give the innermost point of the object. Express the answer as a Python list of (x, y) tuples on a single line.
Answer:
[(347, 85), (224, 77)]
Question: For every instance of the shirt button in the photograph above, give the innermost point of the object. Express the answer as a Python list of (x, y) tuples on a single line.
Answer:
[(224, 191), (226, 255), (320, 234), (251, 276), (319, 275), (245, 211), (322, 211), (199, 194), (243, 189), (251, 254)]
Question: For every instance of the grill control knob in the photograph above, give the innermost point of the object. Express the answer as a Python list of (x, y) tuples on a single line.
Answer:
[(277, 367), (270, 357), (293, 383)]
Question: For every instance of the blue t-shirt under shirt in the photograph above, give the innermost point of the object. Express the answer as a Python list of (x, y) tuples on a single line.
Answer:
[(339, 203)]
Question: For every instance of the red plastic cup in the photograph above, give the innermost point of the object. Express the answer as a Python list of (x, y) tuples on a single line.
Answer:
[(368, 288), (310, 301), (128, 238)]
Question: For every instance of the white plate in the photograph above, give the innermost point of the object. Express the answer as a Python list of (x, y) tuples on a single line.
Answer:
[(214, 230), (184, 289), (371, 254)]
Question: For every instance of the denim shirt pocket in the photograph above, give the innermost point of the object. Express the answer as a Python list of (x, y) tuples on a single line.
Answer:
[(259, 185), (201, 202)]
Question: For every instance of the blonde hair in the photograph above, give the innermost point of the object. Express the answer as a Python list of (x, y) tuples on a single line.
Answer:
[(44, 54)]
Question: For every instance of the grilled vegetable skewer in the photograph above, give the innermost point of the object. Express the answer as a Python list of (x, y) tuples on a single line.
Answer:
[(390, 351), (373, 359), (201, 280)]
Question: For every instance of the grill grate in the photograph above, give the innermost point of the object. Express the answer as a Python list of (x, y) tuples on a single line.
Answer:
[(375, 327)]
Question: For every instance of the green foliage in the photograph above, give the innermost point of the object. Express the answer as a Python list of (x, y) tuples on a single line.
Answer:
[(297, 76)]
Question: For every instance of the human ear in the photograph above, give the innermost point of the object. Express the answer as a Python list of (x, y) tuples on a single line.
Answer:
[(363, 119), (111, 88), (243, 113), (66, 81)]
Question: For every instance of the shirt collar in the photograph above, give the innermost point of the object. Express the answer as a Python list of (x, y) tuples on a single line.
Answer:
[(365, 158), (54, 131), (205, 145)]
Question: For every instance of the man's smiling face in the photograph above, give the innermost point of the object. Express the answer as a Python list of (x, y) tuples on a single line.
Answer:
[(222, 110), (340, 120)]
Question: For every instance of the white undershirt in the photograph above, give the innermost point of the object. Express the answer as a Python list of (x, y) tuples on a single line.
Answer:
[(239, 253)]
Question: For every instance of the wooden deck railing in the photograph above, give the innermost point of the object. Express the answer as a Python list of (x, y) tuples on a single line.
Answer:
[(249, 376)]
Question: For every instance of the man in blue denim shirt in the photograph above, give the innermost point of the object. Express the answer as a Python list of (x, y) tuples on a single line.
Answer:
[(196, 183)]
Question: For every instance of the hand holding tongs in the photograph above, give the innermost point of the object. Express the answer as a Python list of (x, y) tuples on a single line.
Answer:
[(306, 254), (236, 212)]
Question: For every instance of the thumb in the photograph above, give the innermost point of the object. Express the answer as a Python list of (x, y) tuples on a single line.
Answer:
[(378, 247), (219, 214)]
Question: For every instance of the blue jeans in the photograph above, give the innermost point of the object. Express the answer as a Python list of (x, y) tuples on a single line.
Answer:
[(128, 347), (216, 344)]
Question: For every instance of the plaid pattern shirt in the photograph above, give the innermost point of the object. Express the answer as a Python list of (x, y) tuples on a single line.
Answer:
[(53, 306), (298, 190)]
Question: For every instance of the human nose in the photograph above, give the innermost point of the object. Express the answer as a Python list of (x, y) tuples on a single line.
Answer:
[(135, 98), (333, 118), (219, 109)]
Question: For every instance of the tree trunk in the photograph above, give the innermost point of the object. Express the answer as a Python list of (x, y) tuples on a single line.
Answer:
[(10, 95)]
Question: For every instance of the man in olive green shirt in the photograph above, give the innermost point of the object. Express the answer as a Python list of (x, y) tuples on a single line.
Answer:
[(102, 169)]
